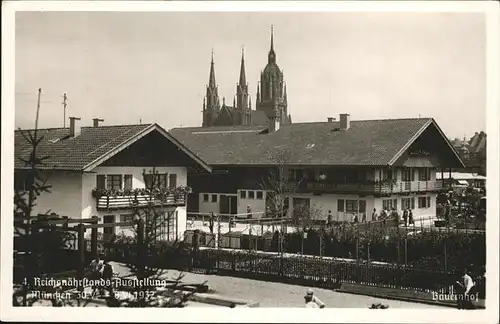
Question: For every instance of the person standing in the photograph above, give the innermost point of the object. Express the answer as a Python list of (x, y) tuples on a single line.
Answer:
[(249, 212), (330, 218), (211, 223), (374, 214), (405, 216), (410, 217), (464, 298), (107, 275)]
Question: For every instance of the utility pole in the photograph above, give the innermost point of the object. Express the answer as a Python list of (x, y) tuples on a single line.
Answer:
[(65, 106), (38, 108)]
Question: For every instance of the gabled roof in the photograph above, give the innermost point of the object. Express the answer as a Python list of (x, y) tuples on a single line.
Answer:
[(365, 143), (92, 147)]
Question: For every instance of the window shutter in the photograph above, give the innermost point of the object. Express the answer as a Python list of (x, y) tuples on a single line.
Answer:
[(148, 181), (173, 180), (127, 183), (340, 205), (412, 203), (101, 181), (428, 202)]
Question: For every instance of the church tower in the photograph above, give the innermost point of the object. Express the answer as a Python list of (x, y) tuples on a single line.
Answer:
[(242, 97), (271, 96), (211, 105)]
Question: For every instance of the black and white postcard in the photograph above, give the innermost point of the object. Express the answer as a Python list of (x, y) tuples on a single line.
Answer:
[(263, 156)]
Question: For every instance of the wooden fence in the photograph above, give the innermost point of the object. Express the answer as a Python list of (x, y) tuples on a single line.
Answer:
[(320, 272)]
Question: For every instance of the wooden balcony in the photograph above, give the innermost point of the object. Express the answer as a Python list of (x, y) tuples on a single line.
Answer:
[(127, 202), (140, 198), (374, 188)]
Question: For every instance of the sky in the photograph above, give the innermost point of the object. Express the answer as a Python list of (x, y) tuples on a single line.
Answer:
[(132, 67)]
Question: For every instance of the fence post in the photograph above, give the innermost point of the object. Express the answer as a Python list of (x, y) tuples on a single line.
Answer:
[(368, 256), (81, 250), (140, 249), (93, 237), (250, 237)]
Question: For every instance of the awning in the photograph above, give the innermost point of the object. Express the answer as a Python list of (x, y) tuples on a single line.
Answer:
[(463, 182)]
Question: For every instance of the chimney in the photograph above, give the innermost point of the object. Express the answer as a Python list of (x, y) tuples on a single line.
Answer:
[(96, 121), (74, 130), (345, 121), (331, 119)]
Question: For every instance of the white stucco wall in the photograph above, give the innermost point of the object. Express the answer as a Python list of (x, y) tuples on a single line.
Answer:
[(258, 206), (65, 196)]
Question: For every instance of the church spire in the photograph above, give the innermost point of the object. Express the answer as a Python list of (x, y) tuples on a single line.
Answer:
[(272, 55), (242, 87), (211, 79), (243, 78)]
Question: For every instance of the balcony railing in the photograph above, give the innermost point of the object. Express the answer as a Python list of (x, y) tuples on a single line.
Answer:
[(373, 188), (140, 198)]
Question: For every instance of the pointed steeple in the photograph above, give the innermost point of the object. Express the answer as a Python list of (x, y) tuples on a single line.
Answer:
[(243, 78), (271, 58), (211, 79)]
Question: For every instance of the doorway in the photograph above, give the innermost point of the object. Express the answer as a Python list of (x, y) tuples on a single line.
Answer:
[(228, 204)]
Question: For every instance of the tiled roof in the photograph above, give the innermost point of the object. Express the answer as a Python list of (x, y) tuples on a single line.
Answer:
[(90, 146), (74, 153), (368, 142)]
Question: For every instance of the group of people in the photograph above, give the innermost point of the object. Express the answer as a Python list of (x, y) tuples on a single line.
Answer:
[(383, 216), (394, 215), (101, 269)]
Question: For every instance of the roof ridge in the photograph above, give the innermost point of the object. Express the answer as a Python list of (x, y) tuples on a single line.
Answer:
[(123, 125), (39, 129)]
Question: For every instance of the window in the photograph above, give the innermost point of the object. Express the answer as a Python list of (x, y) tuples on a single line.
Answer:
[(243, 194), (126, 218), (407, 203), (108, 231), (340, 205), (155, 180), (22, 181), (161, 180), (205, 197), (101, 181), (172, 180), (388, 204), (114, 181), (406, 176), (424, 174), (260, 195), (127, 181), (424, 202), (351, 205), (251, 195), (214, 198)]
